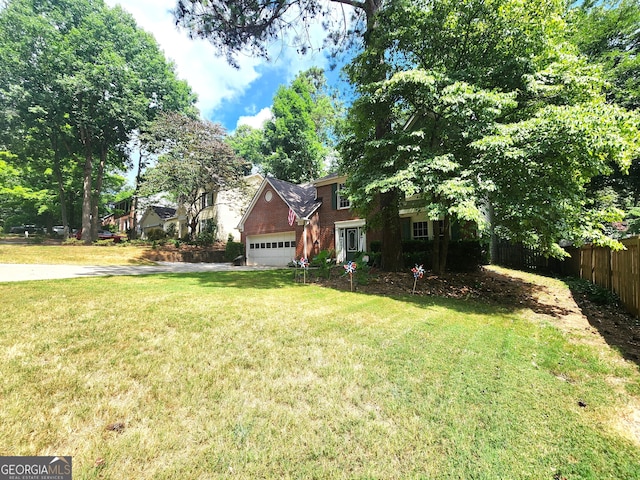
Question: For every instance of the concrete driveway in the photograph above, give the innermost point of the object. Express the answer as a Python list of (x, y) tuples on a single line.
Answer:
[(23, 272)]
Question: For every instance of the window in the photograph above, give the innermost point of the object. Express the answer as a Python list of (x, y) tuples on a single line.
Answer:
[(343, 201), (206, 200), (420, 230)]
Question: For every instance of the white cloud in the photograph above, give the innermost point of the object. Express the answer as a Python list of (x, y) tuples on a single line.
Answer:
[(257, 120), (196, 61)]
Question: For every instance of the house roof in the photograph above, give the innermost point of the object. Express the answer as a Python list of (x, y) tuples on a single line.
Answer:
[(164, 212), (300, 198)]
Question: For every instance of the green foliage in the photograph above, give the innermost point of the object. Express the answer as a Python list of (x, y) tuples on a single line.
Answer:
[(248, 144), (463, 255), (207, 235), (486, 102), (155, 234), (233, 250), (559, 150), (194, 160), (77, 79), (172, 230), (324, 262), (607, 33), (298, 138), (592, 292)]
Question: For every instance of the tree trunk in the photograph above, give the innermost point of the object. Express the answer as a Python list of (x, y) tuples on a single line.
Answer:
[(440, 246), (444, 245), (391, 232), (134, 222), (493, 242), (86, 188), (96, 194), (61, 193), (435, 254)]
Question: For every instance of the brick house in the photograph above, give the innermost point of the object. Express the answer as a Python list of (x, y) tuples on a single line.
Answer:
[(285, 222)]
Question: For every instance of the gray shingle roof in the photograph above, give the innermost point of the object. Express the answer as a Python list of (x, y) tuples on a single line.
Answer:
[(164, 212), (300, 198)]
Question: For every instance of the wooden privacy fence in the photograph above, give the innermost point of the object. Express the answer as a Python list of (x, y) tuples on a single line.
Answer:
[(615, 271)]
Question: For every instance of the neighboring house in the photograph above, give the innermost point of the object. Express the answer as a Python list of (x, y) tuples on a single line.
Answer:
[(122, 217), (285, 222), (225, 208), (156, 216)]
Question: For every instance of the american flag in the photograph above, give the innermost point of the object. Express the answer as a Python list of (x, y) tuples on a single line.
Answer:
[(292, 217)]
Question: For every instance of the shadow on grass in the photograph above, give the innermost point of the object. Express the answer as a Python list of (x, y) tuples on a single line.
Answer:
[(485, 288), (262, 279), (477, 291), (604, 312), (485, 291)]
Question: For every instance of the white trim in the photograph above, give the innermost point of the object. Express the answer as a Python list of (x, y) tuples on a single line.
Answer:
[(340, 240), (359, 222)]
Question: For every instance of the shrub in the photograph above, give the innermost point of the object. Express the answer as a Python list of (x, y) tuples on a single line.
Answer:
[(462, 256), (172, 231), (323, 261), (156, 234), (592, 292), (207, 235), (233, 250), (203, 239)]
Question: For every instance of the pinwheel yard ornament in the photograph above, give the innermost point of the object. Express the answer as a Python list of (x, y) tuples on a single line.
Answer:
[(418, 272), (350, 269), (304, 265)]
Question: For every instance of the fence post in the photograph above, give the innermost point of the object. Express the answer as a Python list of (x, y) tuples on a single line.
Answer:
[(610, 268), (636, 281)]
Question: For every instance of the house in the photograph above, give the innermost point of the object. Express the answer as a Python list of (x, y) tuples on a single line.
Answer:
[(225, 208), (122, 216), (285, 222), (156, 216)]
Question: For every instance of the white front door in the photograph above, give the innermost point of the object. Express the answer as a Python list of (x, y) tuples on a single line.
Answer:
[(350, 239)]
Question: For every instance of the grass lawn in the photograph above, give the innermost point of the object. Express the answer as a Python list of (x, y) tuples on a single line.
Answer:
[(247, 375), (74, 254)]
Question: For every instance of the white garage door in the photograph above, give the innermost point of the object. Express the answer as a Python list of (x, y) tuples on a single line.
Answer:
[(276, 249)]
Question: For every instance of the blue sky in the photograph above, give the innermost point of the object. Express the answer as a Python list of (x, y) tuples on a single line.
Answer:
[(226, 95)]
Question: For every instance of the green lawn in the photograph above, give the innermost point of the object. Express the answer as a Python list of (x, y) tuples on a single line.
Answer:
[(75, 254), (247, 375)]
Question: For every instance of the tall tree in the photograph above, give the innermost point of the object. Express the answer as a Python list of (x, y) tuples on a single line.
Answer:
[(248, 143), (298, 137), (607, 32), (85, 77), (235, 27), (193, 158), (460, 70)]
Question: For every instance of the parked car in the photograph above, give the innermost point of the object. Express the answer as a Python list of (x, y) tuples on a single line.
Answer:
[(26, 228), (58, 229), (103, 235)]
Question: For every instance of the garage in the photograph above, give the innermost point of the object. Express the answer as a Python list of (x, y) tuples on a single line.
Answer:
[(276, 249)]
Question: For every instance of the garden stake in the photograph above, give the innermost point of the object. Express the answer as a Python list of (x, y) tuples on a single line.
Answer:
[(418, 272), (350, 268), (304, 263)]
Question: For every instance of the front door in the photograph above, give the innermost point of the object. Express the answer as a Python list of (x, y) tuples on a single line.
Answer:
[(353, 242)]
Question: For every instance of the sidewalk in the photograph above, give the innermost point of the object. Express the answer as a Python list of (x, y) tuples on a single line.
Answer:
[(23, 272)]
